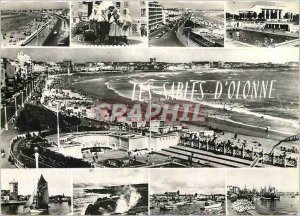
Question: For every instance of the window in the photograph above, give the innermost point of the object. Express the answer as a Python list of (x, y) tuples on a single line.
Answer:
[(143, 12), (126, 4), (143, 3)]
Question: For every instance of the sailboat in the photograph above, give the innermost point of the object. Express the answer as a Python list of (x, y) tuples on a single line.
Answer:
[(39, 200)]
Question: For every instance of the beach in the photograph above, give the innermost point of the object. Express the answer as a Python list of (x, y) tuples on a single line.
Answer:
[(245, 117)]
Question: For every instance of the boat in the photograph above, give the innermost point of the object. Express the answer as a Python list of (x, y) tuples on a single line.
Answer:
[(180, 203), (39, 200), (211, 204), (166, 207), (269, 194), (201, 199)]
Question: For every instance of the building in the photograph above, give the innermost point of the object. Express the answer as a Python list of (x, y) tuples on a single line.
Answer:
[(172, 15), (37, 68), (274, 17), (5, 195), (233, 189), (3, 72), (79, 11), (161, 141), (137, 12), (156, 15), (24, 65), (266, 12), (13, 190), (67, 66)]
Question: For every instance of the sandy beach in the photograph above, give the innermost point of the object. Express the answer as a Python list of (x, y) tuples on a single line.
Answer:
[(223, 119), (95, 86)]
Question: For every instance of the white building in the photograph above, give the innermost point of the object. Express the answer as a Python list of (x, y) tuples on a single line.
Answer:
[(156, 15)]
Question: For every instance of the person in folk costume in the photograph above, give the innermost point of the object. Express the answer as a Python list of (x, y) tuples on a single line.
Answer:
[(107, 23), (93, 19), (126, 27), (102, 25), (115, 29)]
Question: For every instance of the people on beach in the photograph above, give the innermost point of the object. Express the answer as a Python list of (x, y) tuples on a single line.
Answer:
[(268, 130)]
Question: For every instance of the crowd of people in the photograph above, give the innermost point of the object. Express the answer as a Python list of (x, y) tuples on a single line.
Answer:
[(111, 27)]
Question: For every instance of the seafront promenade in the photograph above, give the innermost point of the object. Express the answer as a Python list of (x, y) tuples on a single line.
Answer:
[(241, 151)]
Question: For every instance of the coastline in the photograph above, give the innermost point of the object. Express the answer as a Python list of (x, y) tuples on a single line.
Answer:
[(215, 116)]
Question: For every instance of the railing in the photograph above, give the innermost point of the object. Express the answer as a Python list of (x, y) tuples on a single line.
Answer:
[(29, 38), (14, 158), (241, 152)]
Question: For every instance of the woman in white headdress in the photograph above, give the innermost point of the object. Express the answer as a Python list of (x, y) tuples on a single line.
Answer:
[(93, 21), (126, 28), (116, 24)]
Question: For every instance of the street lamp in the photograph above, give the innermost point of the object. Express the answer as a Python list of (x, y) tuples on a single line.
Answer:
[(36, 155), (37, 37), (22, 94), (57, 113), (5, 118), (16, 107), (189, 30), (26, 93)]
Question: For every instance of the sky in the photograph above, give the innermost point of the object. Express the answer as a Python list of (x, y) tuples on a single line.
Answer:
[(59, 180), (202, 5), (284, 180), (188, 181), (234, 7), (109, 177), (279, 55), (46, 4)]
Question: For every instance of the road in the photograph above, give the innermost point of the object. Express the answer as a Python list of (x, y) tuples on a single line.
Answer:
[(58, 34), (37, 41), (6, 138), (169, 39)]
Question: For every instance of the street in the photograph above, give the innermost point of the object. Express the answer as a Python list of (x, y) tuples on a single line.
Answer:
[(58, 34), (169, 39)]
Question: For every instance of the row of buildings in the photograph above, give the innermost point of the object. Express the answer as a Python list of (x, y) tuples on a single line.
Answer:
[(24, 66), (153, 65), (242, 192), (177, 196)]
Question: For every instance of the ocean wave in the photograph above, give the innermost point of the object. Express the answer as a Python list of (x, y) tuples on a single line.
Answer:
[(110, 87), (242, 110), (89, 80)]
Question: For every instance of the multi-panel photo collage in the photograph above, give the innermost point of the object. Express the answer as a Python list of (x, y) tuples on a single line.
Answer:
[(136, 107)]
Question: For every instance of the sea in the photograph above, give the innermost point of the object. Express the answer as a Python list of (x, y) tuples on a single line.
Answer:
[(195, 209), (54, 209), (280, 112), (136, 201), (285, 206)]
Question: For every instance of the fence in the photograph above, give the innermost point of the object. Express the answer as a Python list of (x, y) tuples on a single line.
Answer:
[(248, 153)]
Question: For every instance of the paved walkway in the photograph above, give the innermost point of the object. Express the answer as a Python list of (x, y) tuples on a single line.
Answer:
[(6, 138), (216, 160)]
